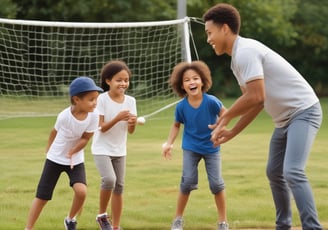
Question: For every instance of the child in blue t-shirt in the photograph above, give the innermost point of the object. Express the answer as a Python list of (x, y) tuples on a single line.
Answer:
[(196, 111)]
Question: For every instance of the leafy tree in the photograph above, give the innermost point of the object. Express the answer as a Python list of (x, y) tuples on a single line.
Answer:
[(8, 9), (294, 28), (96, 10), (310, 53)]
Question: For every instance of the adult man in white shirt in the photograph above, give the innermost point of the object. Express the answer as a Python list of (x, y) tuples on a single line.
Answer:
[(268, 81)]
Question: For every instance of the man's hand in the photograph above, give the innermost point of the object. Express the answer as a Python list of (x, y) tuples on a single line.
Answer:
[(220, 133)]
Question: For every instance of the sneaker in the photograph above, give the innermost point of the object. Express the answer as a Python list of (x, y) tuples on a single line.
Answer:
[(104, 223), (70, 224), (223, 226), (177, 224)]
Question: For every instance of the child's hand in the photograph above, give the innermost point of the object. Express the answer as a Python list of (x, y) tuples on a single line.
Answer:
[(167, 151), (70, 156), (213, 126), (124, 115), (132, 120)]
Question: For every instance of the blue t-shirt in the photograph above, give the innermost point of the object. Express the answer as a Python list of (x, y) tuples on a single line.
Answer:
[(196, 134)]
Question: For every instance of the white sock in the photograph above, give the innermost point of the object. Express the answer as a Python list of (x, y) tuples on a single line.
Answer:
[(71, 219), (101, 214)]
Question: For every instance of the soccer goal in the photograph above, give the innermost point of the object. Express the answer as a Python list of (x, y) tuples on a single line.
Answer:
[(39, 59)]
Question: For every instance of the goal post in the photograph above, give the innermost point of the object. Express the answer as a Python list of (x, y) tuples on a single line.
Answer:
[(39, 59)]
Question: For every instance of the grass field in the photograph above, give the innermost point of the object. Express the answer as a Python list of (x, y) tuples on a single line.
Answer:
[(151, 182)]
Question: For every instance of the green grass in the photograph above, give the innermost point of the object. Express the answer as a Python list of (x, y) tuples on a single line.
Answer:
[(151, 182)]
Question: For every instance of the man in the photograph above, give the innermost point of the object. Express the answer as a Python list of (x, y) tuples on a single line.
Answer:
[(268, 81)]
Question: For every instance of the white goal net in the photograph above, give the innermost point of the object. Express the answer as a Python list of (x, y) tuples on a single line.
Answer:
[(39, 60)]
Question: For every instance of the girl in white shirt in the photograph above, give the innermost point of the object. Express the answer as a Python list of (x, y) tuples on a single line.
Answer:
[(117, 117)]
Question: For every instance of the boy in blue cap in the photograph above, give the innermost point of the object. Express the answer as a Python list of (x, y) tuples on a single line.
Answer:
[(73, 129)]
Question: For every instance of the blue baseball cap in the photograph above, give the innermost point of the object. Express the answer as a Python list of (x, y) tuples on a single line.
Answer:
[(83, 84)]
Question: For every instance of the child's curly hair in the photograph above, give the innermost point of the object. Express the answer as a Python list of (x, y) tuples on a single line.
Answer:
[(176, 79)]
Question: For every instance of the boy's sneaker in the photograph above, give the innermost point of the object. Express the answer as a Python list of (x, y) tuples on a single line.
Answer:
[(177, 224), (70, 224), (103, 222), (223, 226)]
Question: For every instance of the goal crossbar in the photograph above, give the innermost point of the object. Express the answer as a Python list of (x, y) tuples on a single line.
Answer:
[(93, 24)]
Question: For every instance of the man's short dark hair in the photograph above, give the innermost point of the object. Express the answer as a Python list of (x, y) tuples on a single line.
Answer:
[(223, 13)]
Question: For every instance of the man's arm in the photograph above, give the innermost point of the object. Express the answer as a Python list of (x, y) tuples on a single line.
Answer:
[(253, 96), (247, 107)]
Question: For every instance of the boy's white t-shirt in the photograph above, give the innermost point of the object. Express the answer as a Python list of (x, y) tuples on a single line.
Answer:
[(113, 141), (287, 92), (69, 131)]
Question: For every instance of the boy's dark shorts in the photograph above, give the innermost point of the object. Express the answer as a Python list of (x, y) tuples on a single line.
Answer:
[(50, 175)]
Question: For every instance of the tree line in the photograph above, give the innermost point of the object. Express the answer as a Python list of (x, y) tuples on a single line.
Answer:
[(296, 29)]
